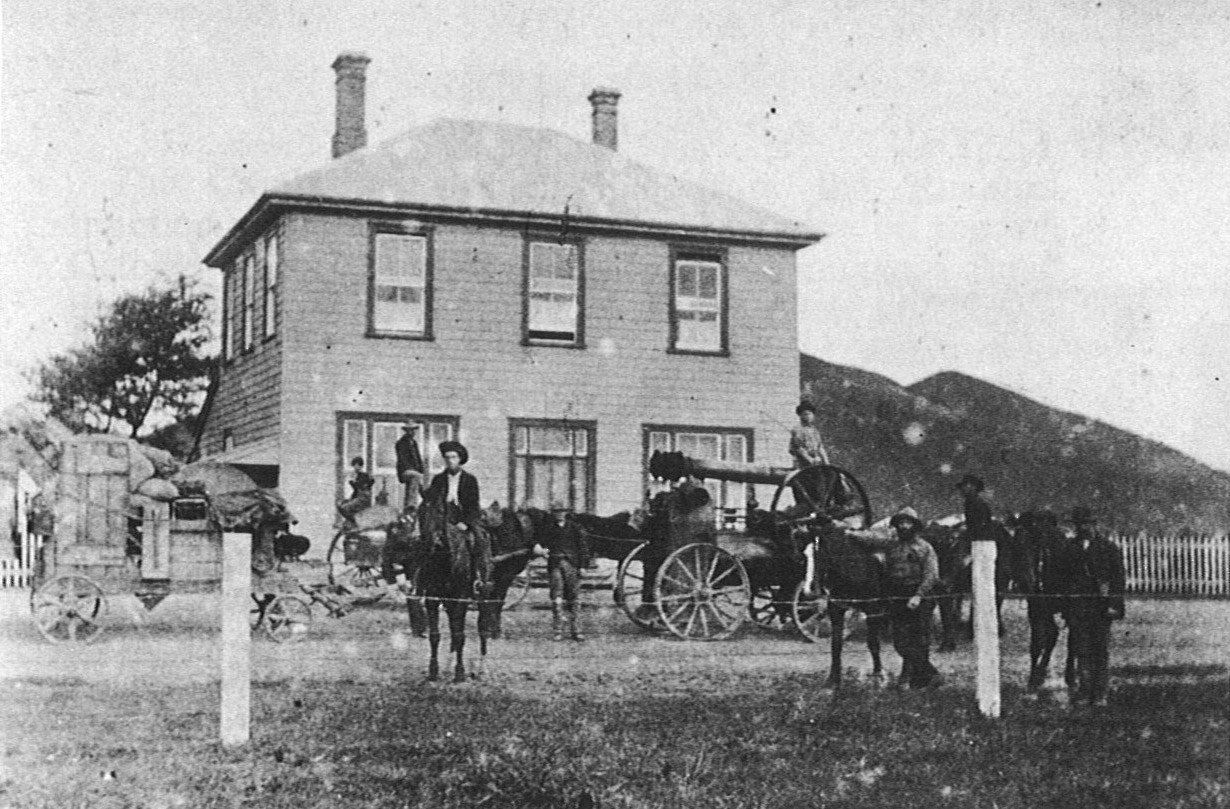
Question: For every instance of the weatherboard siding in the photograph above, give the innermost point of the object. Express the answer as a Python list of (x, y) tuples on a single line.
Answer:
[(476, 368)]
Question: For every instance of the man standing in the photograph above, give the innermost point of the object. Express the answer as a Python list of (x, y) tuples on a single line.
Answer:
[(1042, 545), (410, 468), (806, 445), (978, 522), (1094, 581), (912, 571)]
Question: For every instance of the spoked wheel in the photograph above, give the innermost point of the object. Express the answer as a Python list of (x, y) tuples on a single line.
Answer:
[(768, 613), (629, 591), (823, 490), (69, 609), (287, 618), (521, 586), (702, 592), (811, 612), (362, 582)]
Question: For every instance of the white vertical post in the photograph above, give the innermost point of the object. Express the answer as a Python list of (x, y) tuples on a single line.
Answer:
[(986, 628), (236, 639)]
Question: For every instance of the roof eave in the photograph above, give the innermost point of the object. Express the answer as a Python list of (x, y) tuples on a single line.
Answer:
[(270, 203)]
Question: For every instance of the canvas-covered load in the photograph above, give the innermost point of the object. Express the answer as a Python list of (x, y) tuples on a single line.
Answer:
[(249, 510)]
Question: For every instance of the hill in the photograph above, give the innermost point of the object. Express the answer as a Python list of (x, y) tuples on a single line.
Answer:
[(910, 444)]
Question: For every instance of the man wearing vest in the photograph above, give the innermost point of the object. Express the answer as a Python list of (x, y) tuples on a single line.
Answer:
[(912, 571)]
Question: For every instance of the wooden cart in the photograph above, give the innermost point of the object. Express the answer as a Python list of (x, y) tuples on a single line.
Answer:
[(110, 542)]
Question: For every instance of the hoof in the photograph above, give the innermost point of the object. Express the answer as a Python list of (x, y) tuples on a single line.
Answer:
[(459, 677)]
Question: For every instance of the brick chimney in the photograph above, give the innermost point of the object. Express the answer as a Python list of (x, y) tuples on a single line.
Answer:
[(605, 101), (351, 134)]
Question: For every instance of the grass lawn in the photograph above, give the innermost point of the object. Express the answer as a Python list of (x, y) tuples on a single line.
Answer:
[(577, 740)]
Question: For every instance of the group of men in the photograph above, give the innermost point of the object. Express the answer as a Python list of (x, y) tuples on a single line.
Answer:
[(1080, 579)]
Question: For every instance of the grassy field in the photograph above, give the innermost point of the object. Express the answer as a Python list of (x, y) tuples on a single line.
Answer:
[(698, 734)]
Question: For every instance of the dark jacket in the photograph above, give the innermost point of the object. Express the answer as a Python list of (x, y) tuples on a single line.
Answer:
[(978, 522), (467, 496), (409, 459), (1096, 573), (569, 542)]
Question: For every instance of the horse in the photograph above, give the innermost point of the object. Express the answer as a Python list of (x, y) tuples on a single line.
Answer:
[(1040, 542), (955, 555), (514, 533), (853, 577), (455, 569)]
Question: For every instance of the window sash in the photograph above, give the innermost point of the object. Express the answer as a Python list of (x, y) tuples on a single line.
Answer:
[(698, 305), (271, 285), (399, 286), (705, 445), (249, 279), (374, 440), (551, 466), (554, 291)]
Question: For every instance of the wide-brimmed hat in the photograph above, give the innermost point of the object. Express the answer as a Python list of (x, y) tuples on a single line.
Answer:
[(1081, 515), (803, 407), (972, 480), (457, 447), (906, 515), (410, 427)]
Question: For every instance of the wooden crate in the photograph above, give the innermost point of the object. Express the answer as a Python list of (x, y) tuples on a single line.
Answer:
[(196, 555), (92, 500)]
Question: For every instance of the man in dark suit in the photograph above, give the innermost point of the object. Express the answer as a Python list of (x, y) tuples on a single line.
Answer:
[(457, 489), (410, 467), (1093, 581)]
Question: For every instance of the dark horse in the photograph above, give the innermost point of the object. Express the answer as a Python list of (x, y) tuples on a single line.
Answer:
[(953, 551), (852, 575), (513, 536), (454, 571), (1040, 544)]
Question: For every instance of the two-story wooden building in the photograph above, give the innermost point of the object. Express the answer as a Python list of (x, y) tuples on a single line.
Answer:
[(559, 308)]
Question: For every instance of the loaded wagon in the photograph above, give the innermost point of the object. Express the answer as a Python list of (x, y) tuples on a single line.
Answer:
[(700, 575), (117, 535)]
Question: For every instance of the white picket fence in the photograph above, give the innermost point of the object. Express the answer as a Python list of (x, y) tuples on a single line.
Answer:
[(1190, 565), (13, 574)]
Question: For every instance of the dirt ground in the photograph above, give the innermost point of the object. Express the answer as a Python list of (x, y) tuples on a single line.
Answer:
[(177, 643)]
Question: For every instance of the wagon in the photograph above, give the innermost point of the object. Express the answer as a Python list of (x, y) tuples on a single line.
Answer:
[(110, 540), (701, 577)]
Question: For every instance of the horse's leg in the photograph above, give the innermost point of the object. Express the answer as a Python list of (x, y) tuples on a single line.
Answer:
[(1043, 635), (433, 626), (837, 627), (874, 626), (457, 637), (1070, 664)]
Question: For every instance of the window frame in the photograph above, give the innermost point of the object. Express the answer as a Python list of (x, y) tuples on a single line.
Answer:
[(749, 446), (248, 292), (377, 228), (711, 255), (590, 458), (228, 352), (271, 288), (527, 339), (370, 419)]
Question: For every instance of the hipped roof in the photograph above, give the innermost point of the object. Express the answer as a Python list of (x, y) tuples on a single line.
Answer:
[(524, 175)]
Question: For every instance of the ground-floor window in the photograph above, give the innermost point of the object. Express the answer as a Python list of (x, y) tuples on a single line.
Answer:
[(373, 437), (552, 464), (706, 443)]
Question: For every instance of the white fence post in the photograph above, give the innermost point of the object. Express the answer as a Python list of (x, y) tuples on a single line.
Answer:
[(236, 719), (986, 628)]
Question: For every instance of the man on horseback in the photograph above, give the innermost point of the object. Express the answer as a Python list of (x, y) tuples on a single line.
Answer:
[(457, 489)]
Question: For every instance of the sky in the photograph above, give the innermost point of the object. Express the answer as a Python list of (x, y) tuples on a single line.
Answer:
[(1033, 193)]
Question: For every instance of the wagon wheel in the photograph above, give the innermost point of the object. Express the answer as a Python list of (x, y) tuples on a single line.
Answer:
[(287, 618), (521, 586), (702, 592), (630, 590), (769, 613), (811, 611), (362, 582), (69, 609), (811, 614), (824, 490)]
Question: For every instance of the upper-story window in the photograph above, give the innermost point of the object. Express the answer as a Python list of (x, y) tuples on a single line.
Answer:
[(400, 282), (249, 295), (272, 257), (698, 303), (553, 293)]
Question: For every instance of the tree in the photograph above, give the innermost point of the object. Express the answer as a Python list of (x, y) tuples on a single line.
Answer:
[(145, 360)]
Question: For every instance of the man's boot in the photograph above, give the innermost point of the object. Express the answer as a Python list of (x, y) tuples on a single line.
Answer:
[(557, 620), (574, 623)]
